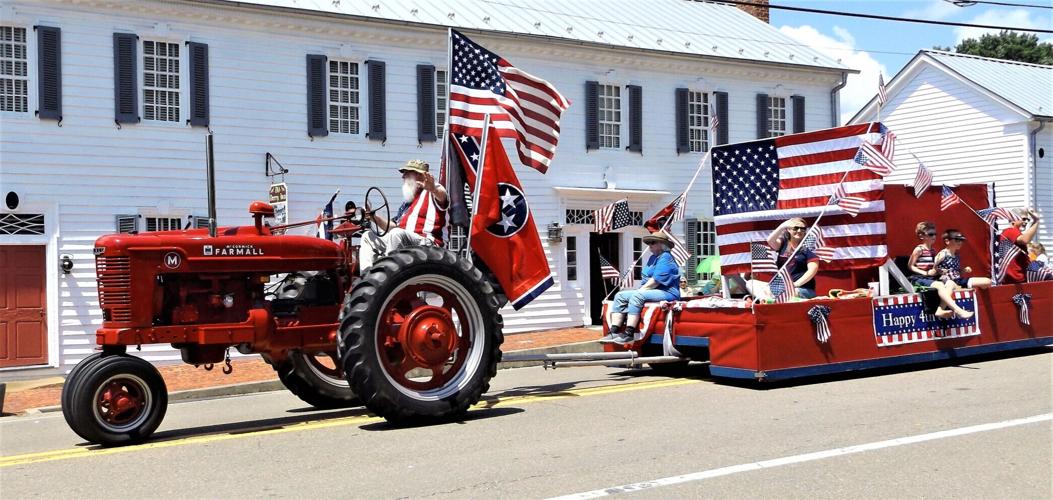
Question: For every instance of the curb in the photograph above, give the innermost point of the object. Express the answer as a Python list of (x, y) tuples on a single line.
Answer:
[(276, 385)]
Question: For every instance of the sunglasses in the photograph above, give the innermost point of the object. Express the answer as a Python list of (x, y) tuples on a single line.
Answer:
[(798, 228), (957, 238), (930, 234)]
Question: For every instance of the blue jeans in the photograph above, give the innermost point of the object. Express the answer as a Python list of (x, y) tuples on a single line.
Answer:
[(806, 293), (632, 301)]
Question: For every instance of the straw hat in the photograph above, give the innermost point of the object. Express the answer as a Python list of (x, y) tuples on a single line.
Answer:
[(418, 166), (659, 236)]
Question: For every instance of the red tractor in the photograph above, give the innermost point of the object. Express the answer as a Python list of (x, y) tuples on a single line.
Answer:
[(416, 337)]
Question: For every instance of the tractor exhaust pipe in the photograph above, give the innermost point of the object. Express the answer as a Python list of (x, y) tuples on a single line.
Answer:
[(211, 169)]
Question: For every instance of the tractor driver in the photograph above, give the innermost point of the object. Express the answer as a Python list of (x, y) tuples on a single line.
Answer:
[(419, 221)]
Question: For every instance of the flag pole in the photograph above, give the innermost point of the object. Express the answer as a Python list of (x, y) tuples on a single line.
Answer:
[(478, 181), (445, 154)]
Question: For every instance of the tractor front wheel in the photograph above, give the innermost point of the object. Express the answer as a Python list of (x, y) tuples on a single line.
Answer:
[(118, 400), (420, 336), (317, 379)]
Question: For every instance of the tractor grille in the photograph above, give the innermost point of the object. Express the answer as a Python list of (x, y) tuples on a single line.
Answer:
[(115, 287)]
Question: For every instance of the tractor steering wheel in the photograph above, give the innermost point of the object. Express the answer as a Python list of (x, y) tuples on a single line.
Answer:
[(370, 211)]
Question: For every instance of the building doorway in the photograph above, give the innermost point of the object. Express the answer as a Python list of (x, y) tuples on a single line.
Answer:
[(23, 299), (607, 245)]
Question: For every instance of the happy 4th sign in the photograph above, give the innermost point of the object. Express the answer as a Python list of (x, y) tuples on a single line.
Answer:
[(901, 319)]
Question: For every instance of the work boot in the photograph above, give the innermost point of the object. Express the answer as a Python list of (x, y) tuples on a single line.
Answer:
[(612, 334), (626, 337)]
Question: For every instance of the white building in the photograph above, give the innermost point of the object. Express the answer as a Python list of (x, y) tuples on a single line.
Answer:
[(974, 119), (106, 105)]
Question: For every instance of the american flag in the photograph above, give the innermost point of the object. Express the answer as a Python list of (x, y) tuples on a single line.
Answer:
[(613, 216), (760, 184), (679, 251), (882, 97), (608, 271), (1005, 252), (948, 199), (781, 286), (888, 143), (1037, 271), (762, 258), (817, 243), (992, 214), (874, 160), (521, 106), (714, 122), (922, 180), (626, 282), (850, 204)]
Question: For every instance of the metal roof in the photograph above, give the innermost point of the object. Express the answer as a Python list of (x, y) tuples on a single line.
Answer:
[(1027, 86), (682, 27)]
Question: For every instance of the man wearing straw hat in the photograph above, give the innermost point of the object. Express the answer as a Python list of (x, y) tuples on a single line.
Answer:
[(419, 221), (661, 281)]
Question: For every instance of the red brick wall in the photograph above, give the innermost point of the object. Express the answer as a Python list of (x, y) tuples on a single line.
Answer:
[(760, 11)]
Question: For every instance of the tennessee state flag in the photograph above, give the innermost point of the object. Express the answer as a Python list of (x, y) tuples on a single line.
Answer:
[(503, 230)]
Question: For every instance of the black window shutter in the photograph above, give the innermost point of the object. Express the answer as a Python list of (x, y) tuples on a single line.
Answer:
[(682, 145), (762, 116), (592, 107), (198, 83), (798, 113), (377, 95), (635, 118), (49, 72), (125, 77), (317, 119), (691, 229), (722, 117), (425, 103)]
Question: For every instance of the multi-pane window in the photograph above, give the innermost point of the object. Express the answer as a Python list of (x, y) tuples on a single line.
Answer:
[(160, 81), (14, 72), (344, 97), (776, 116), (580, 216), (698, 121), (706, 238), (572, 258), (442, 92), (163, 223), (458, 239), (637, 258), (610, 116)]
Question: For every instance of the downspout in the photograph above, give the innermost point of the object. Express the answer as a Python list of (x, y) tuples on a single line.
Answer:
[(835, 114), (1033, 202)]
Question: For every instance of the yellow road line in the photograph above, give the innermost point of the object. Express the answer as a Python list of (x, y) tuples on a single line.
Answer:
[(70, 453)]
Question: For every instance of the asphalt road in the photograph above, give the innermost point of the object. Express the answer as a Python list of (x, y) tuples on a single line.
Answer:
[(976, 430)]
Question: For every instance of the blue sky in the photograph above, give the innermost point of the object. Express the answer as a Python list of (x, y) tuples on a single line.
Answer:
[(874, 46)]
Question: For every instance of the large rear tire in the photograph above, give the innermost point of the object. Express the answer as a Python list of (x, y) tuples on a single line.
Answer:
[(420, 336), (119, 400), (311, 378)]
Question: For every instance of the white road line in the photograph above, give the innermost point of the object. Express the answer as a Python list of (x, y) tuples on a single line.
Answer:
[(807, 457)]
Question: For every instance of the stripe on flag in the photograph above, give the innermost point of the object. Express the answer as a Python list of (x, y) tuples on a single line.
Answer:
[(763, 258), (948, 199), (873, 160), (882, 96), (922, 180), (607, 270)]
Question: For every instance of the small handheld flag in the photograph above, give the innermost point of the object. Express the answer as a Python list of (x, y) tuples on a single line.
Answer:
[(948, 199)]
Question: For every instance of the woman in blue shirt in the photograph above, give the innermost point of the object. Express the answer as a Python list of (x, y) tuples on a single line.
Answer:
[(661, 281), (785, 239)]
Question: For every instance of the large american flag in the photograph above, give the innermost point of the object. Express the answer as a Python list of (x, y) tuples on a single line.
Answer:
[(613, 216), (757, 185), (521, 106)]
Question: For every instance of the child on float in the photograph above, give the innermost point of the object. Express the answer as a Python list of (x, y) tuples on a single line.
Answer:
[(923, 270), (949, 265)]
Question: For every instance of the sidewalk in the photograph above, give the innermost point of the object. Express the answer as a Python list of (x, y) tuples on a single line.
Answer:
[(26, 395)]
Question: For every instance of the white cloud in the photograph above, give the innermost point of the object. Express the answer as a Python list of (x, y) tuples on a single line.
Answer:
[(1016, 18), (935, 10), (861, 87)]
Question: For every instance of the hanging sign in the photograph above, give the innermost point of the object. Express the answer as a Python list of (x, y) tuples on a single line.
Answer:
[(279, 199), (901, 319)]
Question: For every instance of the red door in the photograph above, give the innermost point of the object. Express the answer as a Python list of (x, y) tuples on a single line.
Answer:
[(23, 299)]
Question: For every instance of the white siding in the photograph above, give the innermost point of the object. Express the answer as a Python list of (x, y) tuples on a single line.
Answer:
[(88, 170), (962, 135), (1044, 186)]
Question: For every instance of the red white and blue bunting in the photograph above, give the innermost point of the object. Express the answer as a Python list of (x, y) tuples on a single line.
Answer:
[(1023, 305), (820, 319)]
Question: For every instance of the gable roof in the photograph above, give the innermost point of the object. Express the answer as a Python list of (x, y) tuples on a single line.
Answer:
[(1024, 87), (681, 27)]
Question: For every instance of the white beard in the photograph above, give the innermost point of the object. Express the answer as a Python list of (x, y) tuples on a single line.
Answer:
[(409, 190)]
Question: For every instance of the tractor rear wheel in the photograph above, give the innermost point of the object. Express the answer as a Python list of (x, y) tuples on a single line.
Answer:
[(118, 400), (420, 336), (317, 379)]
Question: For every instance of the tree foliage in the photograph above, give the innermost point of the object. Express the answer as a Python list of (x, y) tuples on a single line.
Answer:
[(1007, 45)]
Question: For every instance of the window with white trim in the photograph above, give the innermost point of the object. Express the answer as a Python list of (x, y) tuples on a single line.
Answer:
[(776, 116), (161, 89), (572, 258), (698, 115), (442, 92), (638, 248), (609, 114), (344, 97), (14, 70)]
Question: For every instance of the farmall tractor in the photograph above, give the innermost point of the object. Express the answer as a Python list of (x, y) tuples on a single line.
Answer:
[(415, 338)]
